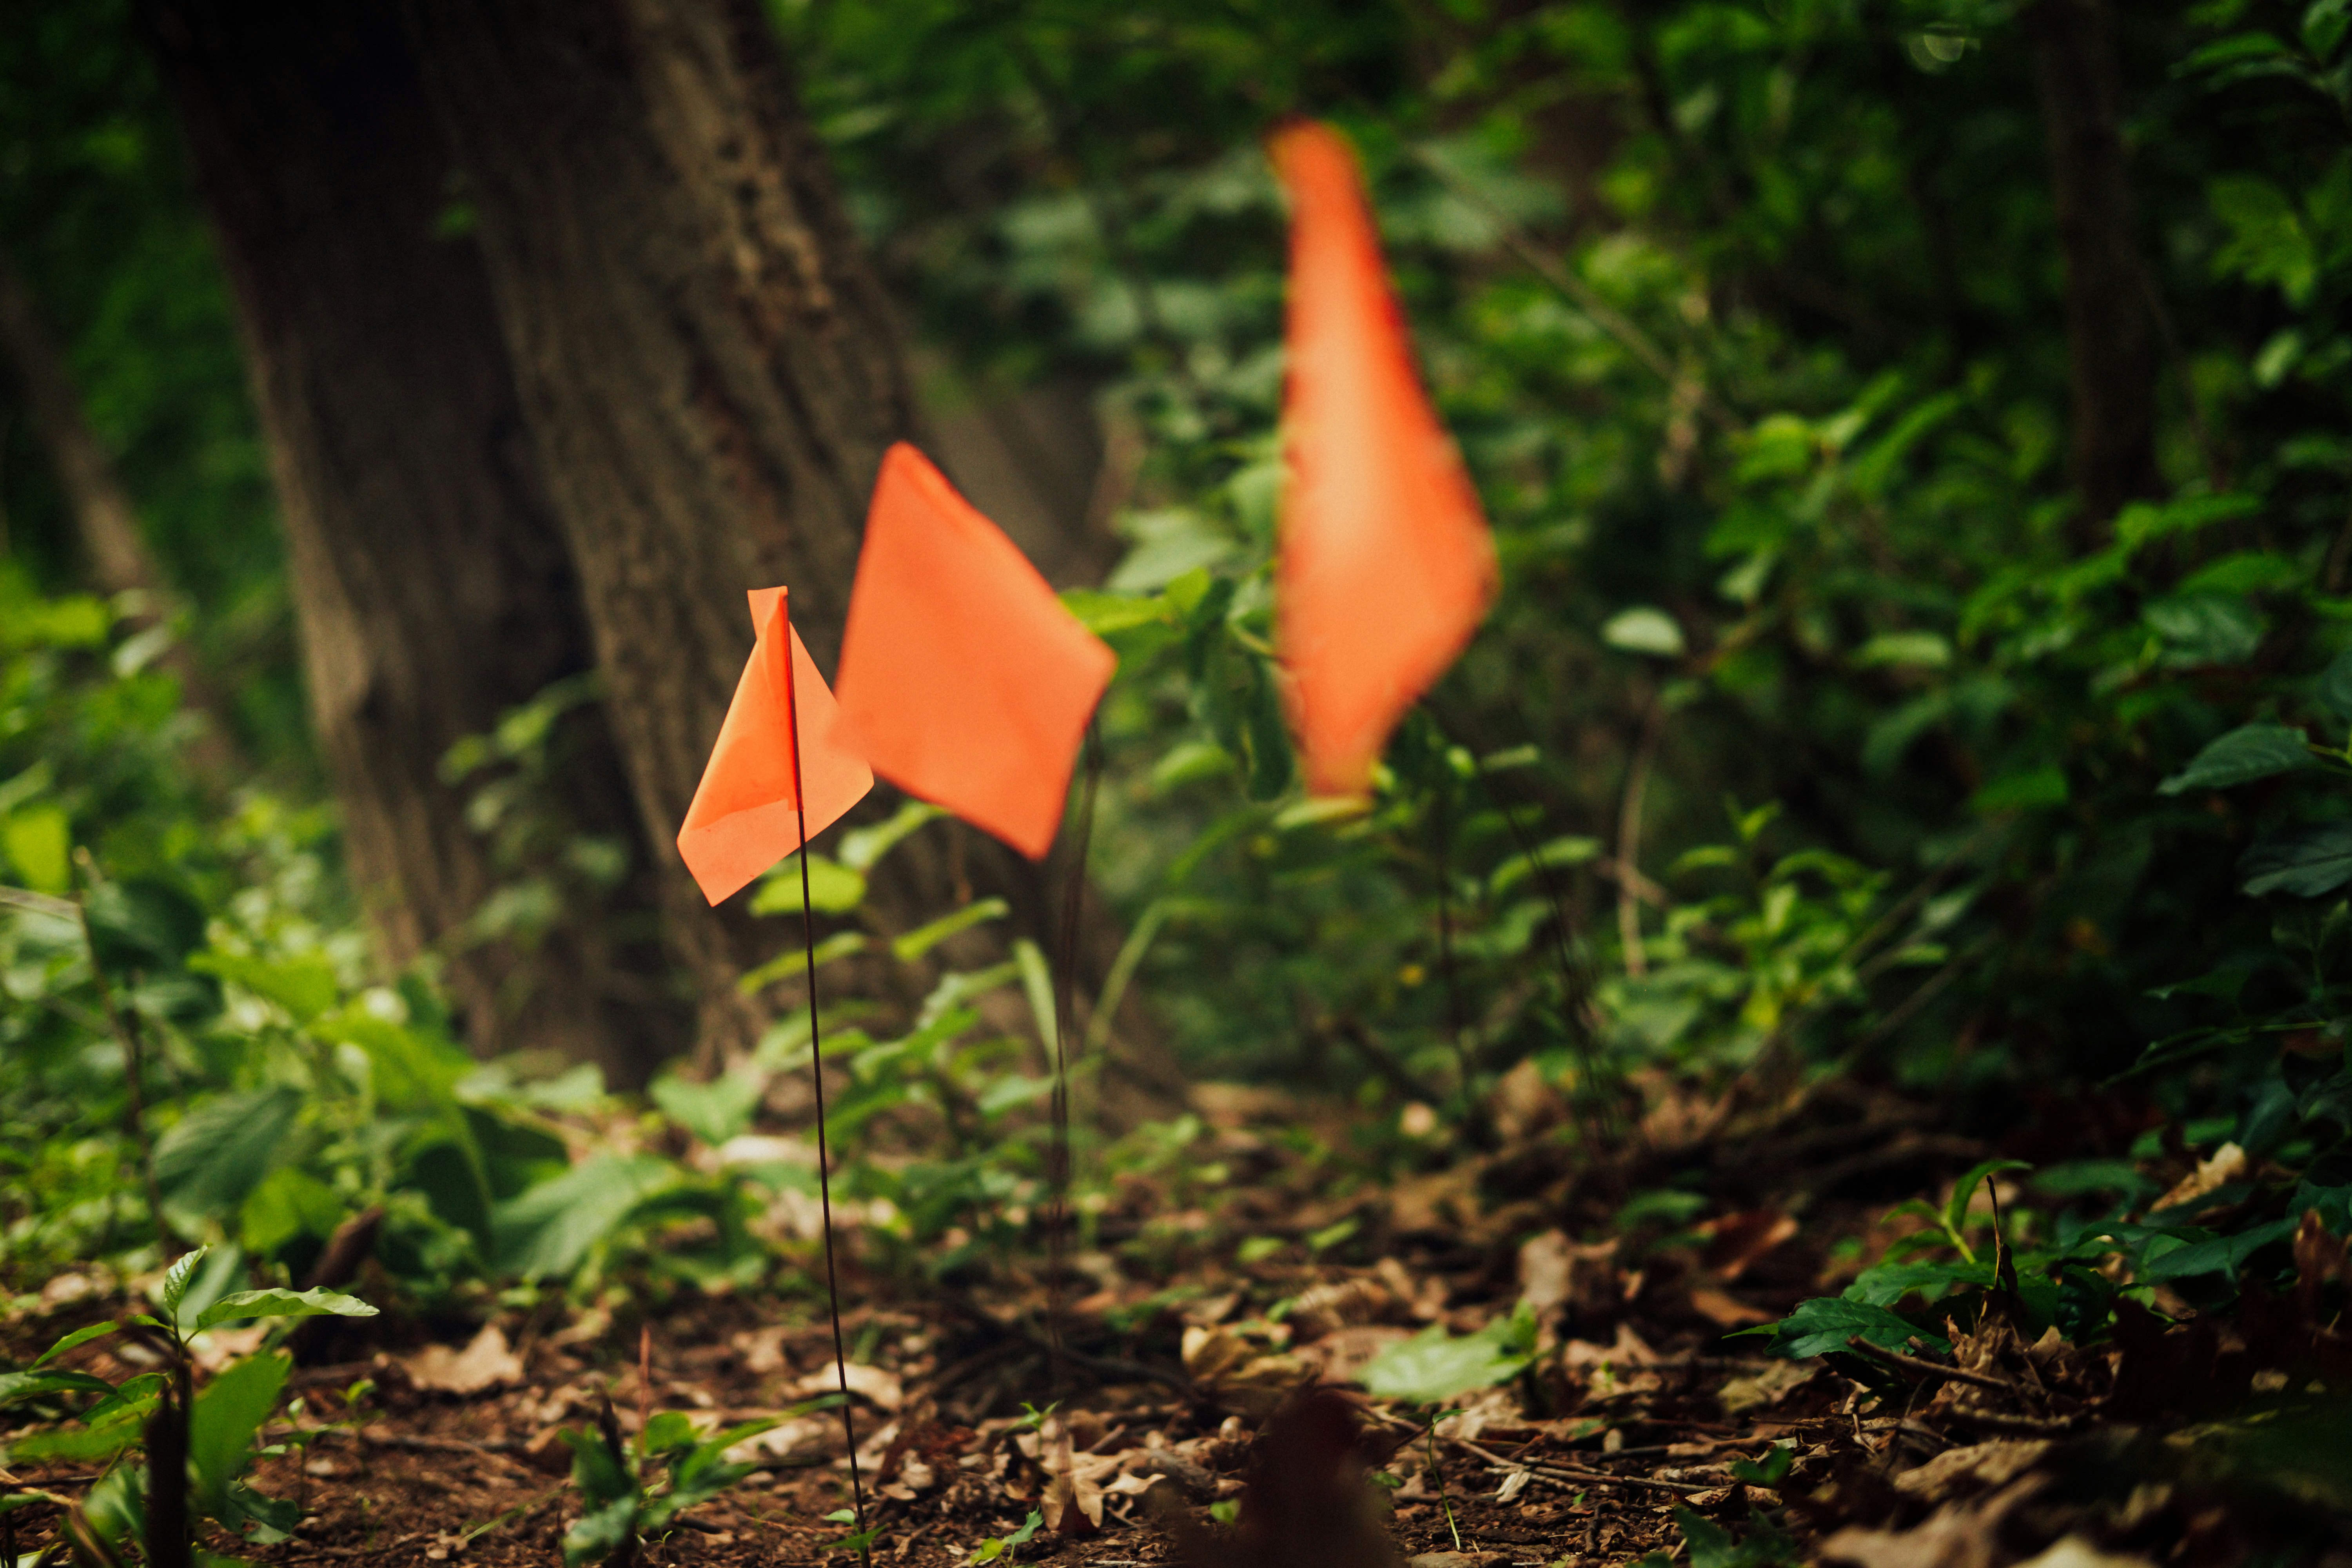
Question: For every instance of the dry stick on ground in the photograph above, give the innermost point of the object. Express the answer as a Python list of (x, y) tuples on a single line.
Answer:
[(1930, 1369)]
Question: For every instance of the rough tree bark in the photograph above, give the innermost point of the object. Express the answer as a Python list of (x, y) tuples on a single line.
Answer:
[(711, 373), (2110, 328), (429, 576)]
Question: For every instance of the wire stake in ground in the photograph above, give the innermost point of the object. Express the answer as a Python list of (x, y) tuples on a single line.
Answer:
[(1057, 1158), (823, 1157)]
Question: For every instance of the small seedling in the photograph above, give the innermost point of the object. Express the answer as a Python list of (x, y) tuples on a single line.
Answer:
[(1004, 1546), (197, 1446), (625, 1503)]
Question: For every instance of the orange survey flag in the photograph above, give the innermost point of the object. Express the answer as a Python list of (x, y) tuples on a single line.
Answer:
[(963, 680), (746, 814), (1385, 566)]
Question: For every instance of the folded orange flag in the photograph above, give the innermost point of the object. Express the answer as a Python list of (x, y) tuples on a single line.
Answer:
[(1385, 566), (963, 680), (746, 814)]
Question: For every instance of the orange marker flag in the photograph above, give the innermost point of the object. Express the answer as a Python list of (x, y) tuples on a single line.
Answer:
[(963, 680), (746, 814), (1385, 565)]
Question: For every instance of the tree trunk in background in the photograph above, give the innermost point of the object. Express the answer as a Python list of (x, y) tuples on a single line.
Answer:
[(429, 571), (104, 519), (2110, 327), (711, 373)]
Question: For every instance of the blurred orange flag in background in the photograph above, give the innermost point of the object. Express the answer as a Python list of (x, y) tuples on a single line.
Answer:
[(746, 814), (963, 680), (1385, 565)]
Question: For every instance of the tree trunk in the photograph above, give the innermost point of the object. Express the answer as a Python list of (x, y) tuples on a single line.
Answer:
[(429, 576), (2110, 329), (711, 371), (112, 548)]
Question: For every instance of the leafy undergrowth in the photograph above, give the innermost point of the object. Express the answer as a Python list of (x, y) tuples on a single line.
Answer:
[(1548, 1356)]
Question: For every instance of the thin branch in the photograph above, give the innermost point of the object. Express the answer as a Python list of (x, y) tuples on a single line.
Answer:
[(1929, 1369)]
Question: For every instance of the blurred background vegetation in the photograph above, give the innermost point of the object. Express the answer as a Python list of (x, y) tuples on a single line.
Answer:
[(1914, 432)]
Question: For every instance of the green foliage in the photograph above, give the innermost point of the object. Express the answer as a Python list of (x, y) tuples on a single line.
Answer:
[(1710, 1545), (629, 1494), (991, 1548), (222, 1423), (1433, 1367)]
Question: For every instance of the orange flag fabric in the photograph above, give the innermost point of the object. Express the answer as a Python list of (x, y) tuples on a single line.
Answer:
[(746, 814), (963, 680), (1385, 566)]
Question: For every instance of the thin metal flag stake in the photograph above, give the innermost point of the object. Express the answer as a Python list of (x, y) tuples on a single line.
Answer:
[(1057, 1159), (816, 1072)]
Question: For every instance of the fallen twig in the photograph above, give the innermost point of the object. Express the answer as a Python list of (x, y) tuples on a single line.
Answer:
[(1931, 1368)]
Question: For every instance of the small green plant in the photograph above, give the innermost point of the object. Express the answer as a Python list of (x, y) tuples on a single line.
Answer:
[(1004, 1546), (629, 1494), (197, 1444), (1713, 1546)]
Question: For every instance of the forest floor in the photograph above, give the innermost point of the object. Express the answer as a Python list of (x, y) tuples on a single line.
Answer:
[(1638, 1425)]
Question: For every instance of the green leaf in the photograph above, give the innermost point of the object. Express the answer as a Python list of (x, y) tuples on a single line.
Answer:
[(80, 1336), (16, 1385), (1771, 1472), (861, 847), (1433, 1367), (2304, 862), (1644, 629), (2221, 1254), (1923, 650), (713, 1112), (215, 1155), (1964, 1191), (2250, 752), (597, 1471), (832, 888), (280, 1303), (2205, 629), (549, 1230), (1037, 988), (176, 1277), (600, 1534), (222, 1423), (1559, 852), (38, 840), (304, 986), (924, 938), (1107, 614), (288, 1203), (1822, 1326), (2335, 686), (2024, 791)]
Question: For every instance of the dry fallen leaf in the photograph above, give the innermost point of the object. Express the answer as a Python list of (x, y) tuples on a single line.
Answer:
[(1734, 1241), (1776, 1379), (1992, 1464), (2226, 1163), (1723, 1310), (1547, 1272), (2074, 1552), (485, 1363), (875, 1384)]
